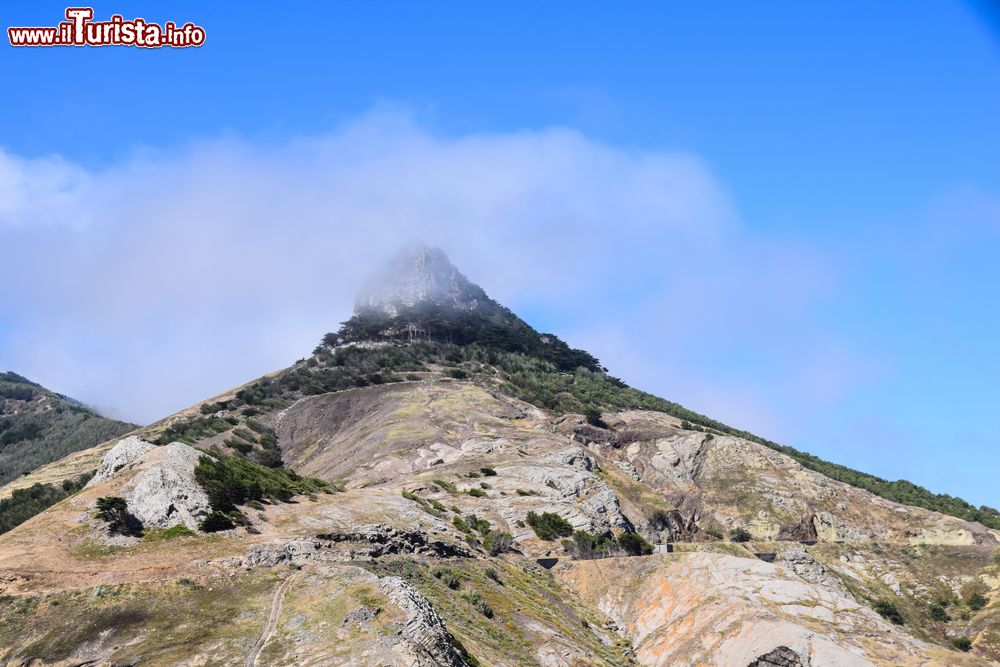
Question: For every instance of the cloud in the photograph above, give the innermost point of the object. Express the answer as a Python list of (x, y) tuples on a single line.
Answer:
[(151, 283)]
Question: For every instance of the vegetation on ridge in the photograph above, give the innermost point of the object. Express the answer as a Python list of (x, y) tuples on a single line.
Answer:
[(26, 503), (549, 383), (38, 426), (374, 348), (232, 481)]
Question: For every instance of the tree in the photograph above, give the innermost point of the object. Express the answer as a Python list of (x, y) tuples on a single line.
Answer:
[(593, 416), (548, 526), (634, 544), (113, 510)]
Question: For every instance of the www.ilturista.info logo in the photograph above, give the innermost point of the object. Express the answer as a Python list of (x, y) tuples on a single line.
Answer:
[(79, 29)]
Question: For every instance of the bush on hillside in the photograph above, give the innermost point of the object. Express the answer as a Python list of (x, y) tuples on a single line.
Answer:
[(888, 611), (740, 535), (549, 526), (231, 481), (963, 644)]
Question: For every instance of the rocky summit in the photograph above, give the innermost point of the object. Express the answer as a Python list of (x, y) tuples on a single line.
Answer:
[(418, 275), (440, 484)]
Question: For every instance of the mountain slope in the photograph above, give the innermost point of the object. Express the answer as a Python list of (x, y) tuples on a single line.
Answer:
[(38, 426), (457, 470)]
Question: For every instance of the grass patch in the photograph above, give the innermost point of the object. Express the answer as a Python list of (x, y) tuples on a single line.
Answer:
[(165, 534)]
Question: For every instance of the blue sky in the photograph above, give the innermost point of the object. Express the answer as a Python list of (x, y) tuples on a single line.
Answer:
[(784, 215)]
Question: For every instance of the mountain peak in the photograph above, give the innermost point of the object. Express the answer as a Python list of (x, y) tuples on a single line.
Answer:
[(417, 274)]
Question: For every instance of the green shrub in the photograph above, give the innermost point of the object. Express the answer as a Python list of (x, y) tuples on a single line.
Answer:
[(193, 430), (549, 526), (962, 644), (480, 525), (634, 544), (938, 613), (480, 603), (740, 535), (976, 601), (244, 433), (888, 611), (476, 493), (447, 577), (496, 542), (588, 546), (488, 472), (446, 486), (593, 417), (231, 481), (239, 445), (460, 524), (456, 373)]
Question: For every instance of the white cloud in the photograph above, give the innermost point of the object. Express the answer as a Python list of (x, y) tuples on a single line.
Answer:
[(154, 282)]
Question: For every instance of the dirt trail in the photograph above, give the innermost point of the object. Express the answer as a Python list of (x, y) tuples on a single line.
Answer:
[(277, 603)]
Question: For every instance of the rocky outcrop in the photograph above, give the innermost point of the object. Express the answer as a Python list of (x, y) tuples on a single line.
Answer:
[(711, 609), (417, 274), (126, 455), (384, 539), (779, 657), (365, 542), (160, 487), (427, 643), (164, 493)]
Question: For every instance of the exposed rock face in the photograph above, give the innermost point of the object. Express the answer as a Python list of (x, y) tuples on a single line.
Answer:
[(126, 455), (779, 657), (365, 542), (803, 564), (165, 492), (427, 641), (416, 275), (741, 483), (160, 490), (700, 608)]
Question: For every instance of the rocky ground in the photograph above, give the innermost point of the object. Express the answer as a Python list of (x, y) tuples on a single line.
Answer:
[(381, 573)]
